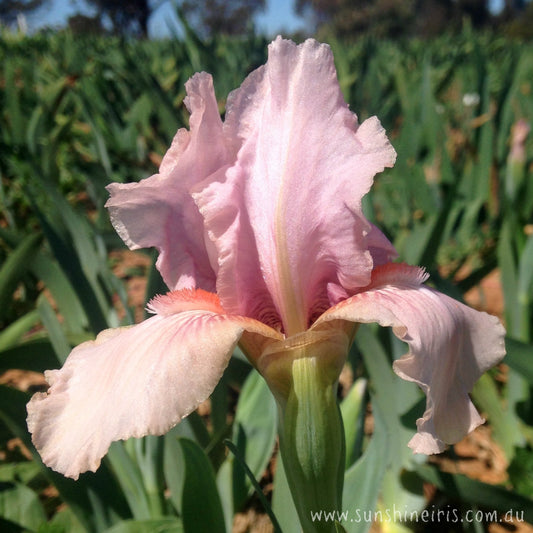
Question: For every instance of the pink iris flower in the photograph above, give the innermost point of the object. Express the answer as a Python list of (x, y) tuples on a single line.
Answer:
[(262, 241)]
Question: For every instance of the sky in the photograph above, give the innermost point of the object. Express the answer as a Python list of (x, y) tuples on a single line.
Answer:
[(277, 17)]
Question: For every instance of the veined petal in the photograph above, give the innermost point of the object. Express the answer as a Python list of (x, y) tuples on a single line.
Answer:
[(159, 211), (451, 345), (287, 219), (135, 381)]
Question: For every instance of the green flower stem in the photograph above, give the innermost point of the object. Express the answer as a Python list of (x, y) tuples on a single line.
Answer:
[(302, 373), (312, 444)]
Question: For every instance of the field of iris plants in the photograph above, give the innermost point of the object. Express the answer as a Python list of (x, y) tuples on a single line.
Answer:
[(79, 113)]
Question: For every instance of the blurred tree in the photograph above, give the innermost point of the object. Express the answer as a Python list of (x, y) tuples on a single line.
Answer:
[(84, 24), (436, 16), (393, 18), (512, 9), (352, 17), (520, 25), (11, 9), (129, 17), (514, 5), (477, 11), (207, 17), (229, 17)]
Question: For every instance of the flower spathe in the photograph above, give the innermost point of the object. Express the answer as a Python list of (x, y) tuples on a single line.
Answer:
[(262, 241)]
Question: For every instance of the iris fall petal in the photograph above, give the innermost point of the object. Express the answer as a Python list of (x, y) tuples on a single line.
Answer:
[(451, 345), (134, 381)]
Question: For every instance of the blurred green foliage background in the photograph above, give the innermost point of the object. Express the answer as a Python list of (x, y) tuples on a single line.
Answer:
[(77, 112)]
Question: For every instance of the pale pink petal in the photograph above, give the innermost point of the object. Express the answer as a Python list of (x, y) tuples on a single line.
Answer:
[(240, 283), (134, 381), (380, 248), (287, 218), (451, 345), (159, 210)]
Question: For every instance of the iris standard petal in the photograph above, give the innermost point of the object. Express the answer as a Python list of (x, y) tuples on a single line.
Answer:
[(134, 381), (291, 219), (451, 345), (159, 211)]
